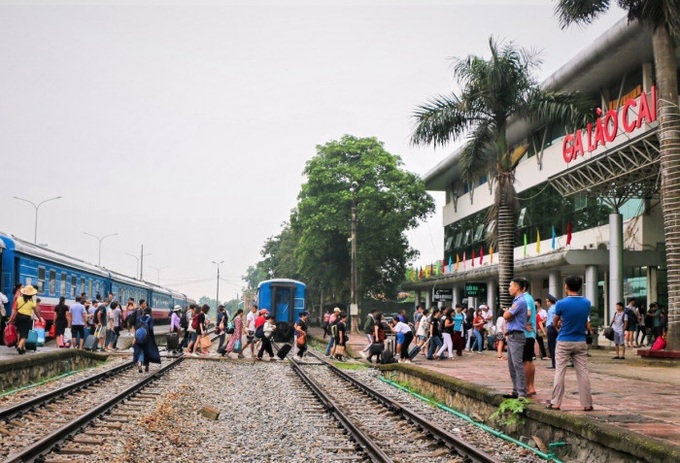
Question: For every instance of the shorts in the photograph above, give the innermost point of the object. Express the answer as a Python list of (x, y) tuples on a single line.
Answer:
[(250, 336), (528, 354), (619, 338), (400, 338), (632, 327), (193, 335), (500, 337)]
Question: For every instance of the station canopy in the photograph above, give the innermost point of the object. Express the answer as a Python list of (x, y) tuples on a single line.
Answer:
[(631, 170)]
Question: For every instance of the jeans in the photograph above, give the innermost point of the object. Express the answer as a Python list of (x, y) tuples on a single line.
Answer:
[(435, 343), (478, 341), (552, 342), (331, 341)]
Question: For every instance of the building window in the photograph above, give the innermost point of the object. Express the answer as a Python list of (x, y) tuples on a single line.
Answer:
[(478, 233), (580, 202), (522, 218), (449, 240)]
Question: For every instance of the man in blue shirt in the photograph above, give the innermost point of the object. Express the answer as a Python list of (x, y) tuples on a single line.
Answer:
[(516, 320), (530, 341), (571, 313), (77, 323)]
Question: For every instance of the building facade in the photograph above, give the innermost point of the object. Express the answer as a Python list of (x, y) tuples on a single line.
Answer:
[(589, 199)]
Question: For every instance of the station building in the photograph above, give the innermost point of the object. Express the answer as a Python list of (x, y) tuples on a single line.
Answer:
[(589, 200)]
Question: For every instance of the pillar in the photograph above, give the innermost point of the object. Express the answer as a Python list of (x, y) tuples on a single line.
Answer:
[(555, 286), (491, 294), (417, 298), (590, 285), (456, 294), (652, 285), (615, 259), (428, 299)]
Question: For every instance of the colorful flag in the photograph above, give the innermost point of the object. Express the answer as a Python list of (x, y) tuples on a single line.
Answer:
[(420, 274), (450, 263), (457, 262), (481, 255), (525, 245), (554, 236), (472, 261), (491, 254), (464, 259), (538, 242), (568, 233), (443, 266)]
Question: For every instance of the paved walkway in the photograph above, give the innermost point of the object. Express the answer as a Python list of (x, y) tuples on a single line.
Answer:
[(639, 395)]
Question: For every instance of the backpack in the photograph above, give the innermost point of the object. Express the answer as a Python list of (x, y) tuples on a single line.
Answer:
[(142, 332), (132, 318), (183, 322), (387, 357), (194, 322), (632, 317), (381, 334), (259, 331), (230, 327)]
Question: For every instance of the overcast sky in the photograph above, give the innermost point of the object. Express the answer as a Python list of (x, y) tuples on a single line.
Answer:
[(185, 125)]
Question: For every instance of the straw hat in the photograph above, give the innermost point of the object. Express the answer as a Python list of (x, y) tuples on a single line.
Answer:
[(29, 291), (337, 310), (177, 308)]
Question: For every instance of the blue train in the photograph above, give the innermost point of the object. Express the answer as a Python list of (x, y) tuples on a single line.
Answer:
[(55, 274), (285, 299)]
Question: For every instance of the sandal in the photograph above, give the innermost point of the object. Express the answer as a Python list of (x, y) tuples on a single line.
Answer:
[(552, 407), (588, 409)]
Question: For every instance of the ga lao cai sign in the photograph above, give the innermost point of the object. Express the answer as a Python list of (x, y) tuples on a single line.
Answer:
[(605, 129)]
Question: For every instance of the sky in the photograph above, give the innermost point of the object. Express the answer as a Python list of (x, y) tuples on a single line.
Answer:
[(184, 126)]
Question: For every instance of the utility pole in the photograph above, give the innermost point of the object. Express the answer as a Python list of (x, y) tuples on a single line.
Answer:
[(141, 264), (217, 296), (354, 306)]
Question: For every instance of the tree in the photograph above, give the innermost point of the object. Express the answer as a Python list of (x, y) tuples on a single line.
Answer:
[(662, 17), (492, 92), (389, 201)]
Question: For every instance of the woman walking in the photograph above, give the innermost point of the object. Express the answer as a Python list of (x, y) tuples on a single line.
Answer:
[(236, 336), (61, 321), (446, 327), (145, 348), (25, 308)]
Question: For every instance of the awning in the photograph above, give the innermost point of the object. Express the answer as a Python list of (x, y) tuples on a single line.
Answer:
[(631, 170)]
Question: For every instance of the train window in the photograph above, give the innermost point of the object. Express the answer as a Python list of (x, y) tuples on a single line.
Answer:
[(89, 287), (62, 285), (41, 279), (82, 285), (53, 281), (74, 286)]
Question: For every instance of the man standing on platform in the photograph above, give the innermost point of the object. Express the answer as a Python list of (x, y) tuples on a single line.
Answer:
[(516, 320), (551, 329), (572, 314)]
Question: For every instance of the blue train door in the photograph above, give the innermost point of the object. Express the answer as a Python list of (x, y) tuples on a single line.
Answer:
[(283, 302)]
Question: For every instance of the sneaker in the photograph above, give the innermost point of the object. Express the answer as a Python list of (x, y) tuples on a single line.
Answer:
[(363, 354), (407, 361)]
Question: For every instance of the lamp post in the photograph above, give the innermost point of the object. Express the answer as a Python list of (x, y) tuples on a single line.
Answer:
[(137, 274), (354, 307), (158, 270), (100, 239), (36, 206), (217, 296)]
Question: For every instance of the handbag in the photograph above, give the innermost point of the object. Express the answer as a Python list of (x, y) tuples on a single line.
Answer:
[(301, 339), (340, 350), (237, 346), (11, 336), (204, 342), (609, 333), (53, 331)]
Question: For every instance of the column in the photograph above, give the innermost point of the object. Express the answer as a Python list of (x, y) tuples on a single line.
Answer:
[(428, 299), (456, 298), (652, 285), (555, 285), (590, 285), (417, 297), (615, 259), (491, 294)]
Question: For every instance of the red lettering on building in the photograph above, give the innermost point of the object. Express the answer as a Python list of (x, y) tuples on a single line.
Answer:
[(606, 127)]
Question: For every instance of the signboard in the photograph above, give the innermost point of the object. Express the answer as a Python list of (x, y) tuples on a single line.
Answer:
[(442, 295), (475, 290)]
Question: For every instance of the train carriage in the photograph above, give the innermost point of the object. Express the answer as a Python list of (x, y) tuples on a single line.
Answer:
[(52, 273), (285, 299)]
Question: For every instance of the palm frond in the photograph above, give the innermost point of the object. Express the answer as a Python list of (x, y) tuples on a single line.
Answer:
[(580, 12), (440, 121), (479, 154), (653, 14), (572, 109)]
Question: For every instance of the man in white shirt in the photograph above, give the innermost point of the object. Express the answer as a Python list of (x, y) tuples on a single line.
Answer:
[(404, 336), (250, 326)]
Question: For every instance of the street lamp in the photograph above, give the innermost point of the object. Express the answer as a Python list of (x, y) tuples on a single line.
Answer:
[(35, 232), (354, 307), (217, 297), (100, 239), (158, 270), (137, 274)]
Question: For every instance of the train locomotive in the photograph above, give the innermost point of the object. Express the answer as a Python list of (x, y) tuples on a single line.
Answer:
[(55, 274), (285, 299)]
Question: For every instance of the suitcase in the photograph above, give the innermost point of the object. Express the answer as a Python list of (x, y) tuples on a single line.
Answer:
[(283, 351), (31, 340), (40, 330), (413, 352), (172, 341), (90, 342)]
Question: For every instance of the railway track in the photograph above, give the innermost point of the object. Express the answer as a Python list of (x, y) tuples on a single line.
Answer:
[(52, 422), (382, 429)]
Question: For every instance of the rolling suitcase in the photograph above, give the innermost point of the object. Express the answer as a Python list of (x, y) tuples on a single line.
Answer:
[(416, 349), (32, 340), (283, 351), (172, 341), (90, 342), (39, 328)]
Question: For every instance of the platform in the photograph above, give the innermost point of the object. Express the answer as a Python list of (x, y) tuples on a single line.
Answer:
[(636, 394)]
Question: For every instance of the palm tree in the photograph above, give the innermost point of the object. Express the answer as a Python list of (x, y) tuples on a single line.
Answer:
[(662, 17), (493, 92)]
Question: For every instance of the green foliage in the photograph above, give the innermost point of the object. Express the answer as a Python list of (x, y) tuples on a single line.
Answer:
[(510, 410)]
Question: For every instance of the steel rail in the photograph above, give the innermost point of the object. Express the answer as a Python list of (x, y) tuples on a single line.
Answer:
[(368, 445), (49, 397), (35, 451), (450, 440)]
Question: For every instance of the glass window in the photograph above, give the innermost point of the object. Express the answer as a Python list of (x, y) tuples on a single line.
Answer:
[(449, 240), (490, 228), (89, 287), (41, 279), (62, 285), (522, 217), (82, 285), (459, 238), (478, 232), (74, 286), (468, 235), (53, 281), (580, 202)]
